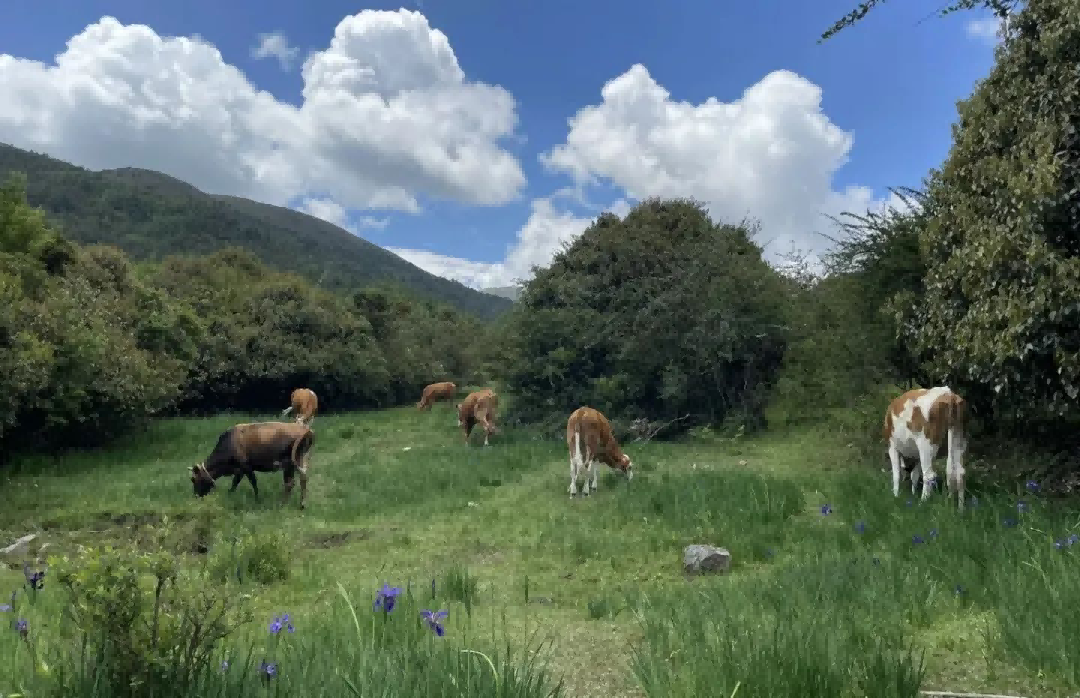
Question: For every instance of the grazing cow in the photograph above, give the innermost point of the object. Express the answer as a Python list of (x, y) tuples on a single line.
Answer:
[(589, 438), (478, 408), (435, 392), (304, 404), (263, 447), (917, 424)]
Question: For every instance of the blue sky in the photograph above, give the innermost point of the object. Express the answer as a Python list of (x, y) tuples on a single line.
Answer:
[(467, 195)]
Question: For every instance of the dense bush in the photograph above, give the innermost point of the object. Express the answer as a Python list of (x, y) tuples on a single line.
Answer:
[(663, 315), (1001, 310), (91, 344)]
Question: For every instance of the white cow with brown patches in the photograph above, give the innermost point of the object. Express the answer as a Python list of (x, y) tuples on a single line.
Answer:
[(917, 425), (589, 439)]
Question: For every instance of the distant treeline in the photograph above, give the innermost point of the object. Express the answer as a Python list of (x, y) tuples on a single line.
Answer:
[(92, 343)]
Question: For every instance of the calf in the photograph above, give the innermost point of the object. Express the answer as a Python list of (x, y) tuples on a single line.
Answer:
[(304, 404), (589, 438), (263, 447), (478, 408), (917, 424), (435, 392)]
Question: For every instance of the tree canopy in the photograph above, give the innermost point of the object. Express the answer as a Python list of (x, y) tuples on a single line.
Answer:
[(662, 315)]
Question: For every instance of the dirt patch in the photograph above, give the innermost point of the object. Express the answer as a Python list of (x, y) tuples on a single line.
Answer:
[(335, 538), (111, 519)]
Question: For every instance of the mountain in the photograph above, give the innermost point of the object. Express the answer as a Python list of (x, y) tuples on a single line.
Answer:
[(510, 292), (151, 215)]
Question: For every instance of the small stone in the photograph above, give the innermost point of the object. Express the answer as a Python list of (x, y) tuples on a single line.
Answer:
[(19, 545), (705, 558)]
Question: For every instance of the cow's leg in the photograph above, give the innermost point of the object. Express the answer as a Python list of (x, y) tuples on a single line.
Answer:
[(894, 456), (302, 471), (927, 451), (916, 475), (575, 461), (488, 430), (594, 471), (254, 485), (236, 481)]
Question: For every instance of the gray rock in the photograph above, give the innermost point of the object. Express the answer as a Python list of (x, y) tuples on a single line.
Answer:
[(705, 558), (19, 545)]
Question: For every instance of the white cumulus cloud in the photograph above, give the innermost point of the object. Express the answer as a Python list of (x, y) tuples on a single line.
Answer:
[(275, 45), (769, 155), (984, 29), (333, 212), (387, 116), (543, 234)]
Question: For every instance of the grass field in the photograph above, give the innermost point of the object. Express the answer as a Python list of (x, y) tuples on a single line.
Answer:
[(836, 588)]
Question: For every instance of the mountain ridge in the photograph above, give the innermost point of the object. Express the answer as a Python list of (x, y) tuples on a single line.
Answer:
[(151, 215)]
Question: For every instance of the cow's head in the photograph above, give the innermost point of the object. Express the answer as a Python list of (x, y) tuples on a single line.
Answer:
[(201, 481), (626, 466)]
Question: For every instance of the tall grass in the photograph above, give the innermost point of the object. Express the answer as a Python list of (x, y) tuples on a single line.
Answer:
[(354, 649), (836, 587)]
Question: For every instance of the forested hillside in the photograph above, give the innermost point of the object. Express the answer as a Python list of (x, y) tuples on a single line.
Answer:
[(151, 216)]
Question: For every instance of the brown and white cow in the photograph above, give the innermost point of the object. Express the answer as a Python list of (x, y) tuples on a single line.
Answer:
[(304, 404), (478, 408), (264, 447), (917, 424), (435, 392), (589, 439)]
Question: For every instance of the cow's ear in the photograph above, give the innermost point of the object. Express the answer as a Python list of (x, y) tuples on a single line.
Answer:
[(194, 469)]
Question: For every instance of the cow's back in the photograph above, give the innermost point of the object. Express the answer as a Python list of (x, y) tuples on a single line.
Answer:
[(593, 427), (265, 442), (470, 405)]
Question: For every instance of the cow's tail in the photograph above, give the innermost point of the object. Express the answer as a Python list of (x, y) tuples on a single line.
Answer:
[(301, 446), (578, 455), (286, 411)]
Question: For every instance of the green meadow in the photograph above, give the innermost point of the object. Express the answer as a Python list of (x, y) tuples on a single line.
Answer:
[(836, 588)]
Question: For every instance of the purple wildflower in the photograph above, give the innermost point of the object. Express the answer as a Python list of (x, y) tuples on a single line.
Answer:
[(1008, 522), (933, 533), (224, 665), (1021, 505), (1059, 544), (386, 598), (959, 589), (23, 628), (860, 526), (432, 618), (268, 669), (826, 509), (35, 580), (1031, 485), (280, 622), (1074, 538), (916, 540), (5, 607)]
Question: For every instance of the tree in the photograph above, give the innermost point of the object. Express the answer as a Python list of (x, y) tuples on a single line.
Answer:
[(1001, 8), (662, 315), (1000, 312)]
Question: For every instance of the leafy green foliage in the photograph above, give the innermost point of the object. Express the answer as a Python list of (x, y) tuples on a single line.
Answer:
[(91, 344), (1000, 313), (663, 315), (152, 216), (1001, 8), (146, 627)]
